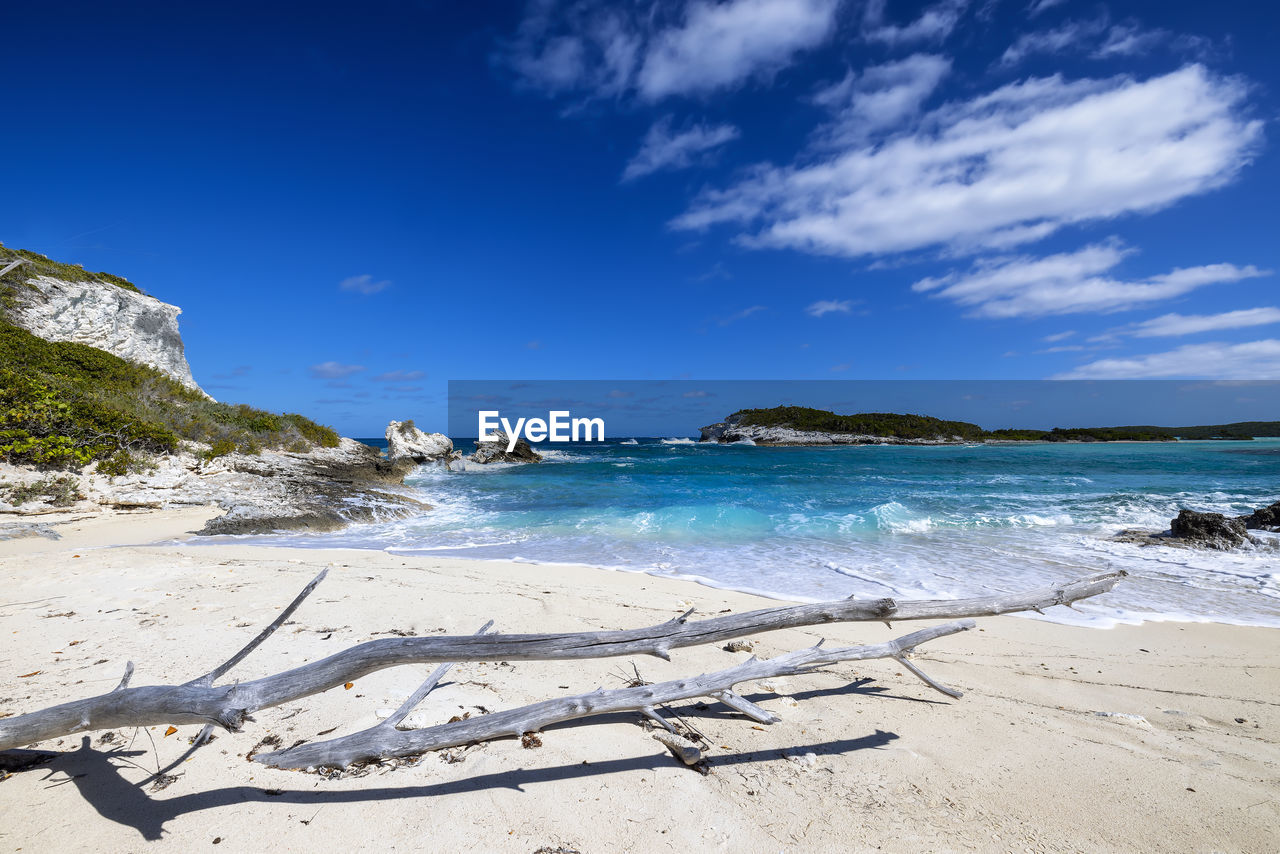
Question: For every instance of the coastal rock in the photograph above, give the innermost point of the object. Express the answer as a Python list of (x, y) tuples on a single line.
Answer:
[(124, 323), (406, 441), (1266, 519), (496, 451), (1209, 530), (323, 489)]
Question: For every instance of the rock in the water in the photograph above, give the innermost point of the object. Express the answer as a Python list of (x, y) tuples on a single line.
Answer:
[(1266, 519), (406, 441), (1210, 530), (496, 451)]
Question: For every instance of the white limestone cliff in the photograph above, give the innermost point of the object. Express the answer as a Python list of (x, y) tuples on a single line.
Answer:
[(124, 323)]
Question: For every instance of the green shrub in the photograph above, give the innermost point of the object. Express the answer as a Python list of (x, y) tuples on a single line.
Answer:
[(39, 265), (220, 448), (59, 491), (316, 434), (64, 405), (121, 463)]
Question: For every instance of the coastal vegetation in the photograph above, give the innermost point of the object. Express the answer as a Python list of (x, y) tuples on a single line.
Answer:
[(60, 491), (924, 427), (866, 423), (1084, 434), (64, 405), (40, 265), (1237, 430)]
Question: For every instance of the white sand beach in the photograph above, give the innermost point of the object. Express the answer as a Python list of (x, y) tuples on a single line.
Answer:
[(1160, 737)]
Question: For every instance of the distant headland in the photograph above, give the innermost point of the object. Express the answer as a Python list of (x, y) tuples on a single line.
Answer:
[(802, 425)]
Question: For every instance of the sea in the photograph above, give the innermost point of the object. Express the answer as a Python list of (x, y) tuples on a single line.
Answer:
[(813, 524)]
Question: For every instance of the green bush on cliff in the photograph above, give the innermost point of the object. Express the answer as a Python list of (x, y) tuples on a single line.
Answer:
[(39, 265), (64, 405)]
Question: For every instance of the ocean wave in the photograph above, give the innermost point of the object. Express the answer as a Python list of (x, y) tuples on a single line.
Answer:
[(560, 455), (628, 442), (893, 516), (812, 525)]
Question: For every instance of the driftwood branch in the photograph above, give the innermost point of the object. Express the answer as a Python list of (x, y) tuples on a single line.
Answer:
[(221, 670), (201, 702), (381, 742), (424, 689)]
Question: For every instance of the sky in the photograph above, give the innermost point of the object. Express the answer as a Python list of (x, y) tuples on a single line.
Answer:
[(355, 206)]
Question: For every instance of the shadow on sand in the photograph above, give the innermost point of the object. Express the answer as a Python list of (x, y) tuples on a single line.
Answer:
[(99, 775)]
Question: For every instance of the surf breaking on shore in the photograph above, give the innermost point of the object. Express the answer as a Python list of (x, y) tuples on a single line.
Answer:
[(818, 523)]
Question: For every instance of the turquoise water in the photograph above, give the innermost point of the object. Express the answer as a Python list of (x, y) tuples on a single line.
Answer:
[(823, 523)]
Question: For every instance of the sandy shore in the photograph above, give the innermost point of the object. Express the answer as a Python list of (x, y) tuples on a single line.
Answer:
[(866, 756)]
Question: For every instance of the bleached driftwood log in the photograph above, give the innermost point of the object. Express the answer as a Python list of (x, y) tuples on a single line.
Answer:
[(201, 702), (381, 742)]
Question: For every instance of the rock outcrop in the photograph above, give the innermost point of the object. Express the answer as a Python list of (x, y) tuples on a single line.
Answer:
[(1192, 529), (1266, 519), (125, 323), (496, 451), (1208, 530), (323, 489), (406, 442)]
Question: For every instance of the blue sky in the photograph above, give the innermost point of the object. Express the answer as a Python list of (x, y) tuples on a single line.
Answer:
[(353, 207)]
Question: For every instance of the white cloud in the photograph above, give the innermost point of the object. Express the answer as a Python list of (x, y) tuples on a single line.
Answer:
[(1254, 360), (1172, 325), (573, 47), (656, 50), (400, 376), (829, 306), (721, 44), (334, 370), (1100, 40), (741, 315), (663, 149), (934, 24), (1068, 283), (881, 97), (1130, 40), (1000, 169), (1073, 35), (363, 285), (1059, 336), (1038, 6)]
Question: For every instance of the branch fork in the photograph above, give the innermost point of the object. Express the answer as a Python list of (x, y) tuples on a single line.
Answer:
[(200, 701)]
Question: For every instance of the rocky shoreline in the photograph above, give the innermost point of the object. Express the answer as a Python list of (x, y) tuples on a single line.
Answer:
[(319, 490), (323, 489), (1192, 529)]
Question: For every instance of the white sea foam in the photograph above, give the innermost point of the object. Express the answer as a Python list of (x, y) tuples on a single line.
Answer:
[(811, 525)]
